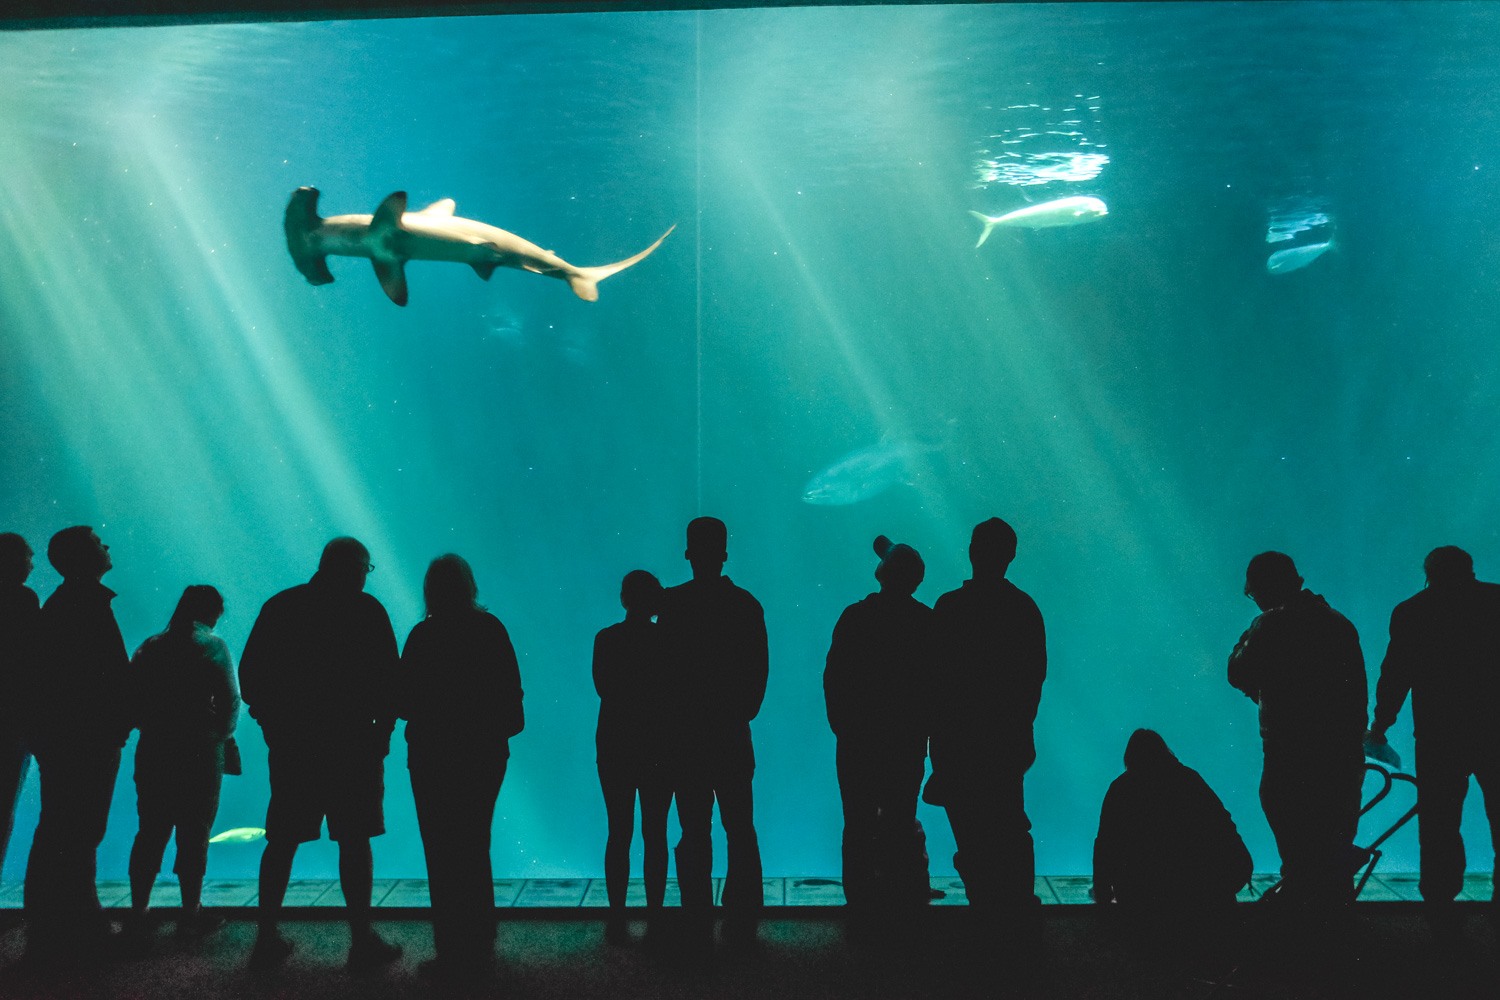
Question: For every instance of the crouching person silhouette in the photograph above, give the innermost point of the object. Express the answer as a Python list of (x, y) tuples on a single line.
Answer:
[(1168, 855)]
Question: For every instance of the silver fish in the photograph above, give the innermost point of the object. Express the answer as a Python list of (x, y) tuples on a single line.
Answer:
[(863, 474), (1296, 258), (239, 835)]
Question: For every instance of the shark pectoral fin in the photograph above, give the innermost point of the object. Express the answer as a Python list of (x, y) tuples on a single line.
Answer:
[(445, 206), (392, 277), (388, 215), (314, 269), (484, 270)]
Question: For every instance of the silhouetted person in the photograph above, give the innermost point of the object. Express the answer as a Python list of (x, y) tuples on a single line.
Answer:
[(76, 725), (630, 675), (1300, 661), (185, 701), (19, 614), (1168, 853), (716, 636), (317, 674), (460, 693), (1445, 651), (992, 660), (876, 686)]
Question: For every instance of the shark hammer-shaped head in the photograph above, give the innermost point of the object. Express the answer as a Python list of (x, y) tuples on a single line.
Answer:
[(302, 222)]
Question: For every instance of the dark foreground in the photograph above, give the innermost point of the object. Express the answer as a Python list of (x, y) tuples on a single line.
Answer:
[(1391, 953)]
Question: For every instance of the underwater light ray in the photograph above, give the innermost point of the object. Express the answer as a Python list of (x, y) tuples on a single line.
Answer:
[(230, 297), (739, 157)]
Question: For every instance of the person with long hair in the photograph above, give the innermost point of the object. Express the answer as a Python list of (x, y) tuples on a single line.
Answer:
[(185, 701), (629, 674), (460, 692)]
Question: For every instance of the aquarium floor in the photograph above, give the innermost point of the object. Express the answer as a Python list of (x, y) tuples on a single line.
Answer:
[(793, 894), (551, 953)]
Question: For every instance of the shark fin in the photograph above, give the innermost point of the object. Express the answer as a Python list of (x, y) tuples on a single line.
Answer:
[(585, 280), (302, 222), (388, 215), (989, 224), (484, 270), (443, 207), (392, 277)]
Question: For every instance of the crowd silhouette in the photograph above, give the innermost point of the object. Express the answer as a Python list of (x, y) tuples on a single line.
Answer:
[(680, 680)]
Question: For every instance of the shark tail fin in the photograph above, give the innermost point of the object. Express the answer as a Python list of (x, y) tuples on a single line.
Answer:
[(585, 280), (989, 225), (302, 222)]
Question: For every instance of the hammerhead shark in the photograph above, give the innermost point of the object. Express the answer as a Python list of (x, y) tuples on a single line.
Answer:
[(393, 236)]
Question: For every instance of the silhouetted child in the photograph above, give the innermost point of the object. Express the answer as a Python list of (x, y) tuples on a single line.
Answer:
[(629, 674), (185, 701), (460, 692)]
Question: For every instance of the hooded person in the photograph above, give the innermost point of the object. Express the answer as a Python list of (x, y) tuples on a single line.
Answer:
[(1165, 842)]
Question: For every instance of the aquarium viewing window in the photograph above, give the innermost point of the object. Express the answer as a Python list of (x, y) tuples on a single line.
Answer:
[(1273, 331)]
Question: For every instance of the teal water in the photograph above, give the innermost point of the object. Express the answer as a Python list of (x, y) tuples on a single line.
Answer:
[(1139, 396)]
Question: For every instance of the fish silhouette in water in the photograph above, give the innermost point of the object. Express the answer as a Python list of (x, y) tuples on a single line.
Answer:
[(1296, 258), (1072, 211), (865, 473), (393, 236), (239, 835)]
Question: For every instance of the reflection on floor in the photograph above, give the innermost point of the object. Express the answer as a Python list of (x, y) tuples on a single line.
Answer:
[(567, 893), (1390, 952)]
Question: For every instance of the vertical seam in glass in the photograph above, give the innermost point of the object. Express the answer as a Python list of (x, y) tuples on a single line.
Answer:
[(698, 245)]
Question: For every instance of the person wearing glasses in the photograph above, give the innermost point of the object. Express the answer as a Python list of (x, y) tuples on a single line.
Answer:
[(318, 674)]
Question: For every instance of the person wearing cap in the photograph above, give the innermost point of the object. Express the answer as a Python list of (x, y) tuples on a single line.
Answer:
[(715, 637), (1445, 643), (875, 687), (1300, 661), (992, 660)]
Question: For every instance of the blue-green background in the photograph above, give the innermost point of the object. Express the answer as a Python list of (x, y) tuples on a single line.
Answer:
[(1137, 396)]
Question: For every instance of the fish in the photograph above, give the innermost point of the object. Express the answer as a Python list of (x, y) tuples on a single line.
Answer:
[(1073, 211), (239, 835), (393, 236), (1296, 258), (863, 474)]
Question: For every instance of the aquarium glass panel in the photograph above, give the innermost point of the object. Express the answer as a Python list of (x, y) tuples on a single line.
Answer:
[(1265, 322)]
